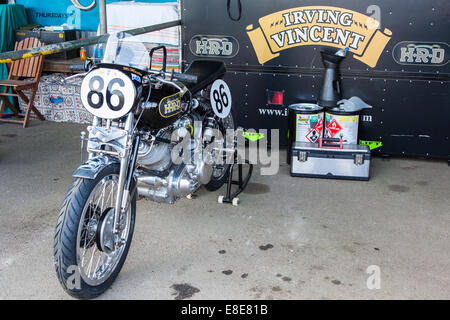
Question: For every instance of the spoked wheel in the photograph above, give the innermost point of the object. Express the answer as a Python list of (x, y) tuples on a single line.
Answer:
[(220, 171), (88, 255)]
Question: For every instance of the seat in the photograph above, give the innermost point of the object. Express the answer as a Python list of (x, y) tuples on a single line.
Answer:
[(206, 71), (23, 74)]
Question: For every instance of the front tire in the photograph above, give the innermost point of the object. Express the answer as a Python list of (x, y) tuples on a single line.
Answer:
[(85, 211)]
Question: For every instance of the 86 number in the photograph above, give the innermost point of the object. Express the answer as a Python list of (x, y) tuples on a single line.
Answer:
[(220, 98), (96, 85)]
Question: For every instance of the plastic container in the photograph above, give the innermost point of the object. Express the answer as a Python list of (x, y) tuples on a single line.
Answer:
[(83, 54)]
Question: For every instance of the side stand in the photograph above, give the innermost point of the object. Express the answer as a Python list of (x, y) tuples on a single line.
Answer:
[(241, 183)]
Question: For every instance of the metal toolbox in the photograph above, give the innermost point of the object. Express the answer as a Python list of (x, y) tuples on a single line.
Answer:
[(351, 162)]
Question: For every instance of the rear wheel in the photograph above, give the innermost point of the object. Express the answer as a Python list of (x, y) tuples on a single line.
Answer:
[(220, 171), (87, 255)]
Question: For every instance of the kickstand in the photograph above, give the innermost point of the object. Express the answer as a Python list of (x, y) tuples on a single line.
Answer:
[(241, 183)]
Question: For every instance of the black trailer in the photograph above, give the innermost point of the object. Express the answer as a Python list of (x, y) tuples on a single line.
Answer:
[(397, 62)]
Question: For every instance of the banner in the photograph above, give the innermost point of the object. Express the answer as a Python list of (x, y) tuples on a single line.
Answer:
[(319, 25)]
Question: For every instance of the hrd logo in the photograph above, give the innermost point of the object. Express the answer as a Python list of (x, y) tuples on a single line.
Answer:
[(214, 46), (170, 106), (421, 53)]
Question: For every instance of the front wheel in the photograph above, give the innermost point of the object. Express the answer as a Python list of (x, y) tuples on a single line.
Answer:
[(88, 256)]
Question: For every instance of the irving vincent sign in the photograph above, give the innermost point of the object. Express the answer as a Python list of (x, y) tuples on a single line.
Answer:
[(319, 25)]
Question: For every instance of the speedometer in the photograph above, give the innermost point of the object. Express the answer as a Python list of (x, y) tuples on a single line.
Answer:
[(108, 93)]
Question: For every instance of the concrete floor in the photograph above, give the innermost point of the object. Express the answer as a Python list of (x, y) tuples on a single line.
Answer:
[(324, 233)]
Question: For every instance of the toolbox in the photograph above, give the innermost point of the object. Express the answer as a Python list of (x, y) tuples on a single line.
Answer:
[(336, 161), (49, 37)]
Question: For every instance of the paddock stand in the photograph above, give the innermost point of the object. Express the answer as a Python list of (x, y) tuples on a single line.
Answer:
[(241, 183)]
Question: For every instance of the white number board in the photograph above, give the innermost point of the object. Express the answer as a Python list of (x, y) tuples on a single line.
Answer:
[(108, 93), (220, 97)]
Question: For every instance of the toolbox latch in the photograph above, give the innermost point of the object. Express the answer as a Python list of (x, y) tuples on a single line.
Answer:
[(359, 159), (302, 156)]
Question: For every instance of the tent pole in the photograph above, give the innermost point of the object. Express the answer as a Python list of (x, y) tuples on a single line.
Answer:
[(102, 16)]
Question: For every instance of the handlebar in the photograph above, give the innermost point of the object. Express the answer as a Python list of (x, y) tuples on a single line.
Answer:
[(77, 68), (185, 77), (86, 66)]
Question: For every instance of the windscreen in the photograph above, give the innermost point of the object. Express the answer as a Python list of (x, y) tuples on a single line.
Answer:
[(125, 49)]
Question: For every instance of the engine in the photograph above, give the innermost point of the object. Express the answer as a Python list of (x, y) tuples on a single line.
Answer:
[(162, 180)]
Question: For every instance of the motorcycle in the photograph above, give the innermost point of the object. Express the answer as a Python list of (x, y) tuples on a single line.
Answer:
[(140, 117)]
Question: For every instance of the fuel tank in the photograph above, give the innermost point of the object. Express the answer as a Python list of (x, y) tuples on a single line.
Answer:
[(166, 109)]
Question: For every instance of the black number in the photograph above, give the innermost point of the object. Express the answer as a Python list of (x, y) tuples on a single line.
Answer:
[(98, 81), (118, 93), (96, 91), (221, 98), (223, 95), (218, 101)]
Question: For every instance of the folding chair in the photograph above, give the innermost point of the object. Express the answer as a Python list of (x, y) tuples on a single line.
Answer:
[(25, 68)]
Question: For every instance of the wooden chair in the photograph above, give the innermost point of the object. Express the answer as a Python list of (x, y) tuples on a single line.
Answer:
[(25, 68)]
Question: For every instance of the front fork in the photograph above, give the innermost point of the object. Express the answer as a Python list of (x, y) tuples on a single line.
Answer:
[(126, 154), (127, 163), (125, 192)]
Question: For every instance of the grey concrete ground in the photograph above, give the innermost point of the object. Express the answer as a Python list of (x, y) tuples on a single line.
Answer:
[(324, 233)]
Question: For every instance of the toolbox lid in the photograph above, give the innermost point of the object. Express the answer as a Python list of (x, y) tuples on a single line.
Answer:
[(307, 146)]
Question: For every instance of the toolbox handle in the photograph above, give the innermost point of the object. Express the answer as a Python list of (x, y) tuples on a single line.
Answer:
[(330, 143)]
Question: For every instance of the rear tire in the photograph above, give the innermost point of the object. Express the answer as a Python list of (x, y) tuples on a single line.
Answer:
[(217, 182), (67, 237)]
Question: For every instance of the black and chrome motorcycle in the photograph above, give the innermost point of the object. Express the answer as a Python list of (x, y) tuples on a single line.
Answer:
[(140, 117)]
